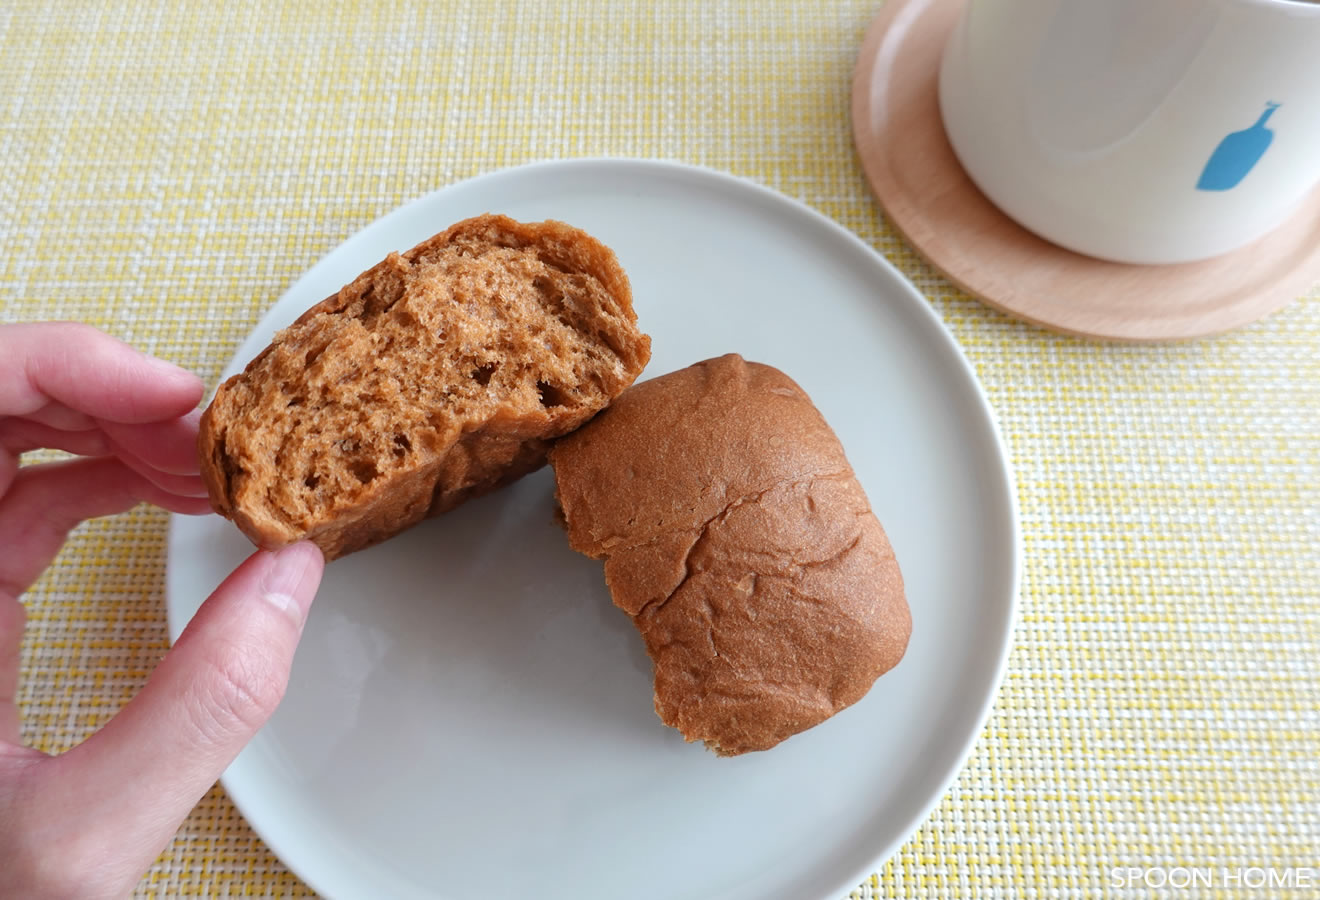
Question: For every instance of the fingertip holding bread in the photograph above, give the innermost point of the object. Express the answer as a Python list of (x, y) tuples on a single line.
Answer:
[(738, 539), (436, 375)]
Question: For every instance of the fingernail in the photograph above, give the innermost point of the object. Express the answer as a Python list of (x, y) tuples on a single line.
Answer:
[(164, 366), (167, 370), (291, 581)]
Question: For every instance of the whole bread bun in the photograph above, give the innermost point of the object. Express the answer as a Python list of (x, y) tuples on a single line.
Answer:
[(436, 375), (738, 539)]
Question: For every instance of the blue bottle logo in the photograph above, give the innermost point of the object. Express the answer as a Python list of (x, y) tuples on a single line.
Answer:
[(1237, 155)]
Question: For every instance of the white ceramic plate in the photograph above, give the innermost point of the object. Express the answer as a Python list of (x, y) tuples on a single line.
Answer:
[(469, 711)]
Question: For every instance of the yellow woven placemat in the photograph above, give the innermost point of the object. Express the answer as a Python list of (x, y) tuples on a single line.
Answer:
[(166, 174)]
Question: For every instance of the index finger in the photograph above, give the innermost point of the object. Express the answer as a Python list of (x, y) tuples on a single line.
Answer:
[(88, 371)]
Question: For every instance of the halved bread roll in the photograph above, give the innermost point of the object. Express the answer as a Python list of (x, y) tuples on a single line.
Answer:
[(738, 539), (438, 374)]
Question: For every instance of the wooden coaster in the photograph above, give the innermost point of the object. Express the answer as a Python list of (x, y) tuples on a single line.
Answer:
[(931, 201)]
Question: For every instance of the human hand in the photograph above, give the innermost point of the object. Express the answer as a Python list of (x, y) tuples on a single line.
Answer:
[(89, 822)]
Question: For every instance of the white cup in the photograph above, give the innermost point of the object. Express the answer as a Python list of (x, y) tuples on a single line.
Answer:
[(1142, 131)]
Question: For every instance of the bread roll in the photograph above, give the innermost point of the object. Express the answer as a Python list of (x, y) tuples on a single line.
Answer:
[(738, 539), (436, 375)]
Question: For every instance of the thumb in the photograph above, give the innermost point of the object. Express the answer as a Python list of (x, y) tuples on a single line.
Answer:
[(137, 778)]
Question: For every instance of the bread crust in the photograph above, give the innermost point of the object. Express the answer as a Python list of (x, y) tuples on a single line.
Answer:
[(542, 311), (738, 539)]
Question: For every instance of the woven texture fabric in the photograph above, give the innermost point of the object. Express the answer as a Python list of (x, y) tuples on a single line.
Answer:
[(165, 174)]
